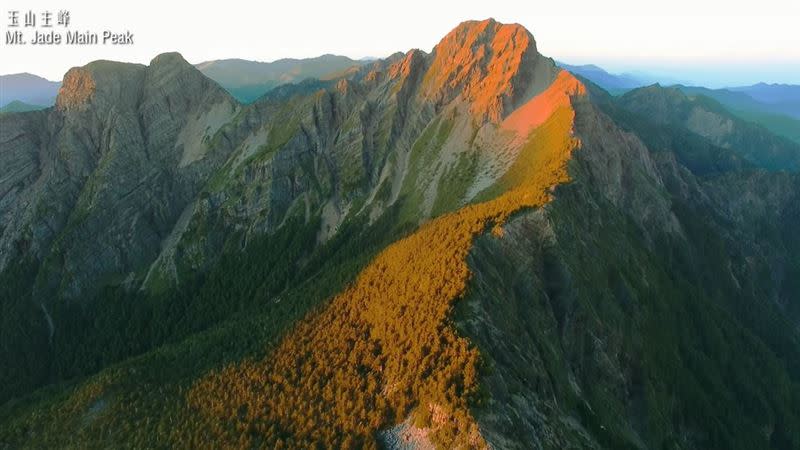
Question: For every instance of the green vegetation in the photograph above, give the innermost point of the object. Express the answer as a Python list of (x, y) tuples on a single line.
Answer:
[(746, 140), (746, 107), (135, 402), (597, 324), (454, 183), (250, 93), (660, 342), (236, 319), (384, 347), (423, 154), (18, 106), (116, 324), (23, 333), (781, 125), (695, 152)]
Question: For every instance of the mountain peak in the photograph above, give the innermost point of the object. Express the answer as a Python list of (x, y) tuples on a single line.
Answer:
[(169, 58), (410, 62), (112, 81), (25, 76), (484, 61), (76, 89), (480, 26)]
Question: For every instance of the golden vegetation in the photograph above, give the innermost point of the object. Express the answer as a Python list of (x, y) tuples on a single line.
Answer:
[(382, 349), (538, 109)]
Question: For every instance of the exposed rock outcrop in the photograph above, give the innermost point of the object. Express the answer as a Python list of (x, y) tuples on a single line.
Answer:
[(76, 89), (112, 172), (488, 64), (659, 282)]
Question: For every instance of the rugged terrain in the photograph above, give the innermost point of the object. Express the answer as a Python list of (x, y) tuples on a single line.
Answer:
[(466, 248), (776, 107)]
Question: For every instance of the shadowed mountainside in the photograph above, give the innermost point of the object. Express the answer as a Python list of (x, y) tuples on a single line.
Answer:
[(707, 118), (466, 248)]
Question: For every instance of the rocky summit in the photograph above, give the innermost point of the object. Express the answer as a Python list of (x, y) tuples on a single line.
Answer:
[(468, 248)]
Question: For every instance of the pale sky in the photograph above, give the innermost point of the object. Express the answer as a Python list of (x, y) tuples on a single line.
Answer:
[(714, 42)]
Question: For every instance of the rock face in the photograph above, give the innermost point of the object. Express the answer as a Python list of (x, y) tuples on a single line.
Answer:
[(337, 150), (707, 118), (564, 305), (488, 64), (608, 319), (76, 90), (104, 178)]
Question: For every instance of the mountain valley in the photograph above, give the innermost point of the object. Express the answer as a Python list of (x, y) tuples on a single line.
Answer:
[(467, 248)]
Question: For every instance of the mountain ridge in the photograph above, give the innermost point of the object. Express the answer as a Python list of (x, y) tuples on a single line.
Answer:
[(27, 88), (206, 272), (247, 80), (672, 106), (780, 117)]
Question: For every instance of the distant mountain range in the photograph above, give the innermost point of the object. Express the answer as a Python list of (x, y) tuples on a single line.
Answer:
[(613, 83), (750, 103), (244, 79), (773, 93), (27, 88), (781, 99), (248, 80), (709, 119), (774, 106), (617, 84), (468, 248), (18, 106)]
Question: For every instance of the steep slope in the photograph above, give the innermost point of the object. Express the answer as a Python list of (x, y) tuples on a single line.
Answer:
[(488, 64), (92, 186), (314, 132), (110, 169), (769, 115), (779, 124), (771, 106), (705, 117), (338, 150), (625, 315), (385, 343), (161, 185), (384, 258)]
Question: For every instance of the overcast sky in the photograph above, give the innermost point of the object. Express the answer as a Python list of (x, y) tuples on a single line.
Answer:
[(712, 42)]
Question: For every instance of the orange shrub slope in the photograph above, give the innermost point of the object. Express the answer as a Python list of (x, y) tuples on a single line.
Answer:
[(538, 109), (384, 348)]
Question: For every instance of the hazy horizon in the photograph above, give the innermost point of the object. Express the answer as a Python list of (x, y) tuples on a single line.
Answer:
[(709, 76), (714, 44)]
